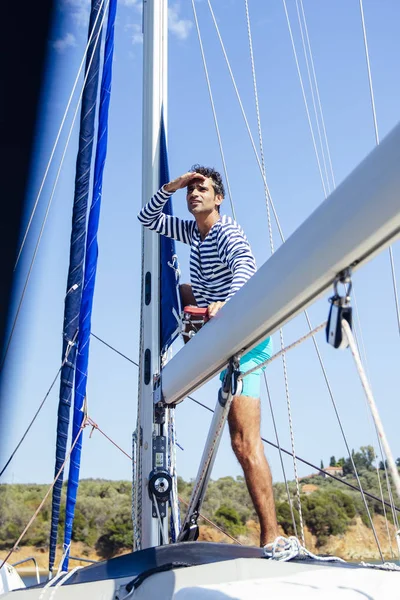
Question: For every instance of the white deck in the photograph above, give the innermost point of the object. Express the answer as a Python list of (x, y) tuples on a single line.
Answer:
[(239, 579)]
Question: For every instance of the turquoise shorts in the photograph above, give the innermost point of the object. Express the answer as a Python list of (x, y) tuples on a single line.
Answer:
[(259, 354)]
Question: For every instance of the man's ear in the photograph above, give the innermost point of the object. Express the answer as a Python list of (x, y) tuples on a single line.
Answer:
[(218, 199)]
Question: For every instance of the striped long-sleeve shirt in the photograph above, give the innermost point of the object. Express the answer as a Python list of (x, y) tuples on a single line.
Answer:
[(219, 265)]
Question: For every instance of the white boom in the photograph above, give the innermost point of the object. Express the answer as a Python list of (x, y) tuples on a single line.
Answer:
[(358, 220)]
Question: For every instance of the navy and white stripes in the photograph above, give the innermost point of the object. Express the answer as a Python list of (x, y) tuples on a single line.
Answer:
[(219, 265)]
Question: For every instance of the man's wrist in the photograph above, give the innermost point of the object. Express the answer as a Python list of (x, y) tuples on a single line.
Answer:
[(168, 187)]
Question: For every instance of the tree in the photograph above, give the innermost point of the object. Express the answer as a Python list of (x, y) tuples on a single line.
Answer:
[(332, 462), (284, 517), (118, 535), (328, 513), (322, 464), (229, 519), (363, 460)]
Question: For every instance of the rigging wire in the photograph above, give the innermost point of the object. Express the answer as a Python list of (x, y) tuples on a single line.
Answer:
[(317, 94), (84, 423), (95, 426), (68, 349), (371, 89), (245, 119), (51, 198), (326, 140), (270, 233), (283, 239), (213, 110), (58, 137), (313, 97), (302, 460), (304, 97)]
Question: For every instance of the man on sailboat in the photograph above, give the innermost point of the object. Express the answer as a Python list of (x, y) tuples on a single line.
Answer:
[(221, 261)]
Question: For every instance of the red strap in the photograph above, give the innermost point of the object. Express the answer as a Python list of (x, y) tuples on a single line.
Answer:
[(196, 311)]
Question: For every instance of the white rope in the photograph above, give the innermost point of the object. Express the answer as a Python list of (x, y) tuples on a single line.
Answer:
[(245, 119), (50, 583), (213, 110), (304, 97), (58, 135), (354, 298), (174, 500), (61, 581), (318, 96), (136, 531), (160, 524), (281, 457), (386, 566), (271, 240), (283, 350), (51, 197), (330, 391), (284, 549), (260, 137), (372, 405)]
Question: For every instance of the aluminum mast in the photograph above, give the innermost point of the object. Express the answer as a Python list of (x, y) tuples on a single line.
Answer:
[(154, 106)]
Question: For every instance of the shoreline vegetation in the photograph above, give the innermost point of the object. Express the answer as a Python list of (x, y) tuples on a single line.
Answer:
[(335, 518)]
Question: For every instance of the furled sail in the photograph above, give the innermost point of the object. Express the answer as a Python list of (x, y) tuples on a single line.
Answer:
[(77, 253), (82, 360)]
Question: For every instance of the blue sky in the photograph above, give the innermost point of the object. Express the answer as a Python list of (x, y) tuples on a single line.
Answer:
[(336, 38)]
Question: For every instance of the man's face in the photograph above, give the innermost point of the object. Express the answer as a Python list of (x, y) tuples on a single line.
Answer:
[(201, 197)]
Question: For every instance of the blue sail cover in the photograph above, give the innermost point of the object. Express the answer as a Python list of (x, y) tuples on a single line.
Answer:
[(89, 283), (77, 252), (169, 269)]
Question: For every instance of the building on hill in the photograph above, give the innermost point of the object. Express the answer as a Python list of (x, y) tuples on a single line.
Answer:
[(337, 471)]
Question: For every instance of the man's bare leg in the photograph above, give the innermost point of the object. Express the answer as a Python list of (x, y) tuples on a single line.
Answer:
[(244, 425)]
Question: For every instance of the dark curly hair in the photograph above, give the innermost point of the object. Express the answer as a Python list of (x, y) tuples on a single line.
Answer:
[(214, 175)]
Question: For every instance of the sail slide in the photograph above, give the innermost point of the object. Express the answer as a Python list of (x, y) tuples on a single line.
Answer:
[(89, 281), (76, 260), (358, 220)]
